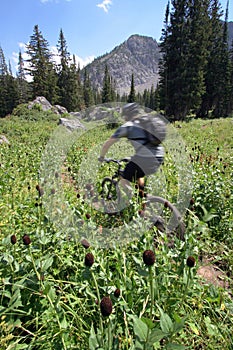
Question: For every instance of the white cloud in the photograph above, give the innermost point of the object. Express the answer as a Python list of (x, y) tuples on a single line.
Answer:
[(84, 61), (53, 49), (105, 5), (79, 60)]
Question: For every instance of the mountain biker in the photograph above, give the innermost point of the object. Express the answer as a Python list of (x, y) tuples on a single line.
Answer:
[(147, 157)]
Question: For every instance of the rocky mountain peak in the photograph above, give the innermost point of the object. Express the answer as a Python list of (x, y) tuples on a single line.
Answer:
[(138, 55)]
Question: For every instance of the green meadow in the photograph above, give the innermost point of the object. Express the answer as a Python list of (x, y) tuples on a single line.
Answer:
[(58, 292)]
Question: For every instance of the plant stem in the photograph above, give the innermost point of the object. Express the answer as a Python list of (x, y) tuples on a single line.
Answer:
[(151, 290), (98, 297)]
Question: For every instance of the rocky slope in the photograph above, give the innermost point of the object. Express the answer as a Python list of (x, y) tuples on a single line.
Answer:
[(138, 55)]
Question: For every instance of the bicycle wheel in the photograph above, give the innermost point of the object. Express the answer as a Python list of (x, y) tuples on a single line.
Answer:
[(165, 216), (109, 195)]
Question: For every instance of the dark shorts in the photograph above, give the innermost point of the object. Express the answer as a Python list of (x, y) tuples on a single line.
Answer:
[(134, 171)]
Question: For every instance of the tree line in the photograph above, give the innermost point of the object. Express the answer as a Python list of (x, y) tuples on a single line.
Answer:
[(196, 69)]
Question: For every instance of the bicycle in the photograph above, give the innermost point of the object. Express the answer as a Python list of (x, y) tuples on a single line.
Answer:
[(161, 212)]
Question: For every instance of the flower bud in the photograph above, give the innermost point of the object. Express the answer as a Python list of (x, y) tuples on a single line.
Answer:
[(149, 257), (106, 306), (190, 261), (89, 259), (26, 240)]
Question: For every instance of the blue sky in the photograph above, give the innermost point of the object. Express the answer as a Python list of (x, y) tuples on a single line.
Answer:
[(91, 27)]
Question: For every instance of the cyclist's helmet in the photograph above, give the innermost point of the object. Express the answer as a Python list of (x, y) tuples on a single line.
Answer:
[(130, 110)]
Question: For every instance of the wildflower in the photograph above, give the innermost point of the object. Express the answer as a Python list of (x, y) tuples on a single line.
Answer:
[(191, 201), (40, 190), (106, 306), (13, 239), (53, 191), (89, 259), (26, 240), (117, 293), (190, 261), (88, 216), (149, 257), (85, 243)]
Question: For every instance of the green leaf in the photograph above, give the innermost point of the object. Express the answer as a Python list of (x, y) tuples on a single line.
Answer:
[(140, 328), (148, 322), (194, 328), (156, 335), (15, 300), (166, 323), (211, 328), (46, 263), (139, 345), (64, 323), (178, 324), (93, 342)]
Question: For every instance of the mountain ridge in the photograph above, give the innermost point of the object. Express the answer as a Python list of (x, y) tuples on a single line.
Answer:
[(138, 55)]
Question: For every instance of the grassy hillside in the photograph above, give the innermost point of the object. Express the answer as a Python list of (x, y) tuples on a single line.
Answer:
[(52, 285)]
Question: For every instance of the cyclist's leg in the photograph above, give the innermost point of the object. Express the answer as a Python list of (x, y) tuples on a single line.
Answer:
[(134, 174)]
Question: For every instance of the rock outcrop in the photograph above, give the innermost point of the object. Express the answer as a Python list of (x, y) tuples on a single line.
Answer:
[(46, 106), (139, 55)]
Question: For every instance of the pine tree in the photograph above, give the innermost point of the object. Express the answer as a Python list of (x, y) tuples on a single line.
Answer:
[(12, 91), (41, 67), (174, 70), (132, 94), (184, 49), (199, 32), (212, 73), (75, 91), (3, 84), (23, 86), (222, 105), (106, 90), (8, 87), (146, 98), (163, 63), (87, 90), (63, 71)]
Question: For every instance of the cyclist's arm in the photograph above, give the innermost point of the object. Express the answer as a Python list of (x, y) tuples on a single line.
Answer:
[(122, 131), (107, 145)]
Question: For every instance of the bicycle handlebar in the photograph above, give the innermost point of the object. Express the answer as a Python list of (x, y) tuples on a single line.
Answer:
[(117, 161)]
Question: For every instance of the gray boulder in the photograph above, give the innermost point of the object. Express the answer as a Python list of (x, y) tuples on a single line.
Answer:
[(42, 101), (59, 109), (46, 106), (3, 140), (71, 124)]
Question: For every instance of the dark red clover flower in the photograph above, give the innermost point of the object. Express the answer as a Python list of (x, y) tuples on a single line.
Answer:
[(26, 240), (192, 201), (85, 243), (106, 306), (117, 293), (89, 259), (13, 239), (40, 190), (190, 261), (149, 257)]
